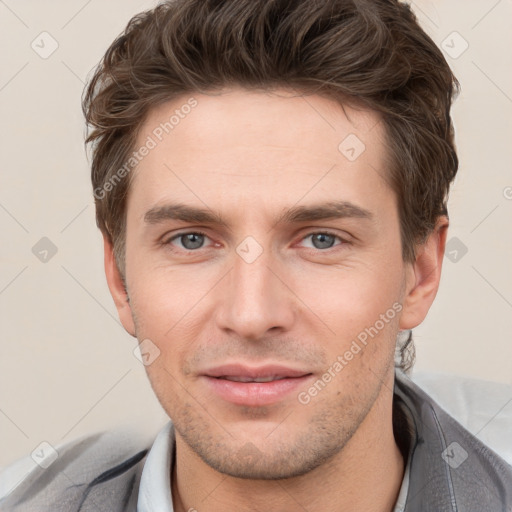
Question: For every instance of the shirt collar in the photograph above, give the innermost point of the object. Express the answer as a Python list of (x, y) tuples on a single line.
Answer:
[(155, 482), (404, 488)]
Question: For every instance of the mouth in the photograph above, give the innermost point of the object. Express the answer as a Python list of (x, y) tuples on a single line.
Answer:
[(254, 386), (234, 378)]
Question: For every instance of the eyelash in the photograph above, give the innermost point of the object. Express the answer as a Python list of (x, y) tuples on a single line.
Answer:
[(329, 233)]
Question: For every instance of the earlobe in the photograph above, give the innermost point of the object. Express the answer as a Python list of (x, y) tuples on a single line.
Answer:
[(424, 278), (117, 287)]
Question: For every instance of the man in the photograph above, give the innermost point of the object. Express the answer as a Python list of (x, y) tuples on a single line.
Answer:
[(271, 181)]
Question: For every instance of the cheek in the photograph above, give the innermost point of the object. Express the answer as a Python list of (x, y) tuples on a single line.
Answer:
[(168, 306), (349, 300), (163, 295)]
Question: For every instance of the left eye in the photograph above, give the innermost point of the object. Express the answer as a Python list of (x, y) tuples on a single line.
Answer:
[(322, 240)]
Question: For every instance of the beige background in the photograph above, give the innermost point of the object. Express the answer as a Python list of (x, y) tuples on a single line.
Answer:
[(67, 366)]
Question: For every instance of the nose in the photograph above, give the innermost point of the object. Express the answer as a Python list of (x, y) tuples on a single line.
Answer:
[(256, 298)]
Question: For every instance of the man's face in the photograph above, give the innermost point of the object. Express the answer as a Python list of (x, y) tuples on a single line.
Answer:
[(274, 291)]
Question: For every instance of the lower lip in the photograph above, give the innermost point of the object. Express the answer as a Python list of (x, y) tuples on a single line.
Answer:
[(255, 393)]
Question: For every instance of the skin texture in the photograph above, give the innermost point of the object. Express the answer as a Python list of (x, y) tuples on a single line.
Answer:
[(251, 156)]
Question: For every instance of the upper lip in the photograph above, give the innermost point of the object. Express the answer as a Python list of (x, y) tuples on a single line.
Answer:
[(254, 372)]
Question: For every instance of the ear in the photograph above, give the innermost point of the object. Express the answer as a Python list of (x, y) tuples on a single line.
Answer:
[(423, 277), (116, 287)]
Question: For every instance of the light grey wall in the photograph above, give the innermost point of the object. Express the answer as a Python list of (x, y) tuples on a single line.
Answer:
[(67, 366)]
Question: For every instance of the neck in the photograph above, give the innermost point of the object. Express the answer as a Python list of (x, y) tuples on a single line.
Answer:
[(365, 476)]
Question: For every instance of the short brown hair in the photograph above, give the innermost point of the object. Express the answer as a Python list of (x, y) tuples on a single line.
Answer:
[(371, 51)]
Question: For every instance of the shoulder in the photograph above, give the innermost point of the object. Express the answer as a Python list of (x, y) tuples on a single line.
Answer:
[(450, 461), (104, 467), (484, 408)]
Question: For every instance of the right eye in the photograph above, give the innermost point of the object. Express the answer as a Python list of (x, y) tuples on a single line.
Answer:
[(189, 241)]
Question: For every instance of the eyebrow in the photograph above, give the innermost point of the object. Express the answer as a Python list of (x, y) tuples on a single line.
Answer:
[(294, 215), (324, 211), (184, 213)]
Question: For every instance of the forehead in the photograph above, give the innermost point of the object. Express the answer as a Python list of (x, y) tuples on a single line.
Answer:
[(278, 117), (237, 145)]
